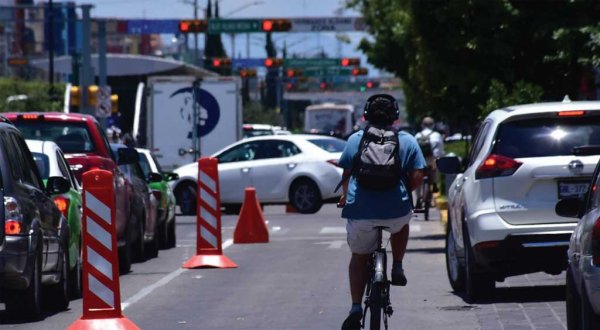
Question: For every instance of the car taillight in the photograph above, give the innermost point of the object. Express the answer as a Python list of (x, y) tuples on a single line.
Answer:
[(495, 166), (13, 218), (62, 204), (157, 194), (596, 243), (333, 162)]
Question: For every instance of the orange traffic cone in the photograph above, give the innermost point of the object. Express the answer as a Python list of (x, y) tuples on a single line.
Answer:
[(251, 226)]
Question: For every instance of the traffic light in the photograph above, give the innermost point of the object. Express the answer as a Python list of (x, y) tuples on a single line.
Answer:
[(360, 71), (272, 62), (221, 62), (289, 87), (74, 95), (247, 73), (350, 61), (291, 73), (114, 103), (93, 95), (323, 85), (372, 84), (193, 26), (276, 25)]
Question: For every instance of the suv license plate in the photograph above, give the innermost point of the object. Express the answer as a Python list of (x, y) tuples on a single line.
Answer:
[(571, 189)]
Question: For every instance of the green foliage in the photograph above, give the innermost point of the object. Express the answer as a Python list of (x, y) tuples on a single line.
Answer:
[(39, 97), (500, 96), (447, 53), (254, 113)]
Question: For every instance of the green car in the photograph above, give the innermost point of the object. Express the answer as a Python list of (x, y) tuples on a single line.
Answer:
[(51, 162), (162, 191)]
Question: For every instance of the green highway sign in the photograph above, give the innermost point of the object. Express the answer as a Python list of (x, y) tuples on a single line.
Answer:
[(311, 62), (327, 71), (233, 26)]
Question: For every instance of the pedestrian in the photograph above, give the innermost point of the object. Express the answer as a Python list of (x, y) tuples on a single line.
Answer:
[(365, 208), (432, 147)]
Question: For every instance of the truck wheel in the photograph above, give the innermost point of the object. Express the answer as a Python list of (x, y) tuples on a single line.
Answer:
[(186, 198), (305, 196)]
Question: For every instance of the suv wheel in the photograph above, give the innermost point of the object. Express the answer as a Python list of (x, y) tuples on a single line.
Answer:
[(305, 196), (477, 285), (28, 303), (60, 291), (454, 268)]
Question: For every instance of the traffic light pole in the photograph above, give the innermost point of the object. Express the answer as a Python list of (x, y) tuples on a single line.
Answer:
[(87, 77), (196, 55)]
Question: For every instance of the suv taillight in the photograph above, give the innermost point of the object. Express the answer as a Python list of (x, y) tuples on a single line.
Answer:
[(13, 218), (495, 166), (596, 243)]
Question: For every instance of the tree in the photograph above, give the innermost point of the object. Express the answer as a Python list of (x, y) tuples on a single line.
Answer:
[(447, 53)]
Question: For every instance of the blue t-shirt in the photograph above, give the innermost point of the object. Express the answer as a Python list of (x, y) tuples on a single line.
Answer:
[(364, 204)]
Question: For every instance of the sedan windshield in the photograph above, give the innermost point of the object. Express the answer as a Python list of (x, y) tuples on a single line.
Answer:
[(330, 145), (70, 137)]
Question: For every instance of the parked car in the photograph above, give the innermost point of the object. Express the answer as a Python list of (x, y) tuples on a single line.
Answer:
[(583, 272), (51, 162), (501, 219), (144, 202), (85, 147), (297, 169), (35, 239), (167, 203)]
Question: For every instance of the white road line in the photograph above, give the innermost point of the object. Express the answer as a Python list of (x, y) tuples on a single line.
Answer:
[(333, 230), (163, 281)]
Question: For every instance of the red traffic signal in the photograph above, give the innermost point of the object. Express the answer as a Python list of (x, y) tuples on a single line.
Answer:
[(350, 61), (289, 86), (247, 73), (221, 62), (193, 26), (291, 73), (276, 25), (323, 85), (372, 84), (272, 62), (360, 71)]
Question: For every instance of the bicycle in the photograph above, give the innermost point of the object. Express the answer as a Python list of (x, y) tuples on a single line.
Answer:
[(377, 297), (424, 195)]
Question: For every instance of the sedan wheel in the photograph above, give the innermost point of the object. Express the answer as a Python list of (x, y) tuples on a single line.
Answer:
[(306, 197), (456, 271), (573, 303)]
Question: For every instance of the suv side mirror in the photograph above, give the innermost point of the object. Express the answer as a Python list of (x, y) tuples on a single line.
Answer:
[(449, 165), (170, 176), (57, 185), (569, 207), (127, 156), (154, 177)]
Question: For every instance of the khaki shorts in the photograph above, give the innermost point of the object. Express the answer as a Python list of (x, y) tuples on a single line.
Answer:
[(362, 235)]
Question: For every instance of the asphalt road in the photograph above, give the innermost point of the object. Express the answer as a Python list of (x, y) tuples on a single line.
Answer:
[(299, 281)]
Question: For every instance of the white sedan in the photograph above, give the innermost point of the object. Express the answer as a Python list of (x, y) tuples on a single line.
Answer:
[(297, 169)]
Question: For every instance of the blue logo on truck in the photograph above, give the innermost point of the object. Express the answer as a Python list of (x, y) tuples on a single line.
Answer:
[(208, 112)]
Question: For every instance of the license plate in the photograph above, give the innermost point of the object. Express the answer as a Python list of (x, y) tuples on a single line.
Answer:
[(572, 189)]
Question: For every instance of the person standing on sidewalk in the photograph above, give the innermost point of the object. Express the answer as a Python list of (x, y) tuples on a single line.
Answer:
[(365, 209)]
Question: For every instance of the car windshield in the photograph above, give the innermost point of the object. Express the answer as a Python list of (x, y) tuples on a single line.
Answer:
[(70, 137), (543, 137), (330, 145), (43, 164)]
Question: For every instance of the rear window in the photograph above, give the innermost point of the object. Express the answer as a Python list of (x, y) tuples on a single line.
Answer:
[(70, 137), (331, 145), (544, 137)]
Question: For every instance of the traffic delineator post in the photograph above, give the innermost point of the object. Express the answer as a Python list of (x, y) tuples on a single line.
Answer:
[(101, 292), (209, 250), (251, 226)]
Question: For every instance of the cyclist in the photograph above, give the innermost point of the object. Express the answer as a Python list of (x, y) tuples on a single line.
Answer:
[(432, 146), (366, 209)]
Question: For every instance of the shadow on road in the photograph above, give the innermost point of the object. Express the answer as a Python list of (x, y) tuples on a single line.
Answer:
[(525, 294), (434, 237), (432, 250)]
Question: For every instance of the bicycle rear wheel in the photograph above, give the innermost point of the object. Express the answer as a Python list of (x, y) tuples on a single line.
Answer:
[(376, 306)]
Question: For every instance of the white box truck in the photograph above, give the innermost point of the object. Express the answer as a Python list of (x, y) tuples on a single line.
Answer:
[(171, 103)]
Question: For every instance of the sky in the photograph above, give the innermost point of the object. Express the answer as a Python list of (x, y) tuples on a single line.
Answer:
[(304, 44)]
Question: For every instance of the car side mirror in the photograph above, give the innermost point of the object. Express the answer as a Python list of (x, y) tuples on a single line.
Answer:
[(170, 176), (154, 177), (449, 165), (56, 185), (127, 156), (569, 207)]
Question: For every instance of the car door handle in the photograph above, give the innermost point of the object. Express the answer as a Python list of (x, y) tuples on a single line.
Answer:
[(245, 170), (291, 165)]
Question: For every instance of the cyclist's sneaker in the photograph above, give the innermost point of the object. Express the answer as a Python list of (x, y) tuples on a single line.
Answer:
[(398, 277), (352, 322)]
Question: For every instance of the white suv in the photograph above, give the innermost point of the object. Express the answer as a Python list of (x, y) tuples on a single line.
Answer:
[(501, 219)]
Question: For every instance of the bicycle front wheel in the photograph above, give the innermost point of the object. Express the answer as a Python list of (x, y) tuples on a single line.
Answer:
[(376, 307)]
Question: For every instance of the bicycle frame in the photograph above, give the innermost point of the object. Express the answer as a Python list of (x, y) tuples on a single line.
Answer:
[(379, 285)]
